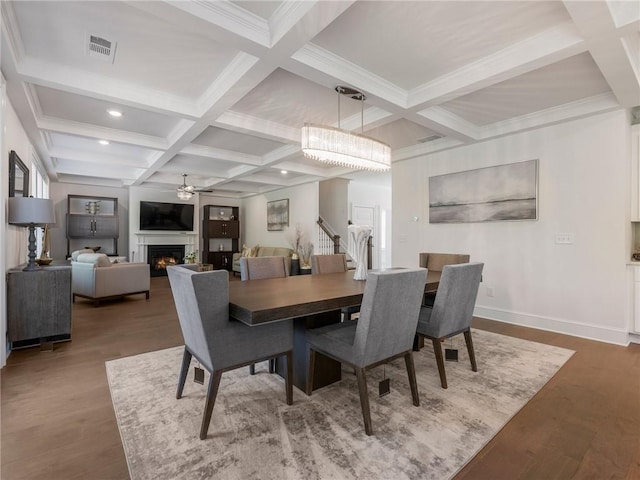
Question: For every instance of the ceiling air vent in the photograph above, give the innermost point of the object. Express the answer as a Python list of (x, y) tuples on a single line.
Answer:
[(101, 48), (430, 138)]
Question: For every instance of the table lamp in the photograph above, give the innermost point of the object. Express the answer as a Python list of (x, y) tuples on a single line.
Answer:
[(31, 212)]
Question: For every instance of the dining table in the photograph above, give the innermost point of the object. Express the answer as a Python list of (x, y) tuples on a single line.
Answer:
[(312, 301)]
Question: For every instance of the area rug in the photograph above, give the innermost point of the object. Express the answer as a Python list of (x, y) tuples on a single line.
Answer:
[(255, 435)]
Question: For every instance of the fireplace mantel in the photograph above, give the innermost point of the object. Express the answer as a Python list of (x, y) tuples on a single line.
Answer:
[(188, 239)]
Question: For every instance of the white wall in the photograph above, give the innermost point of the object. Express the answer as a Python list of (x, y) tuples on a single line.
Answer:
[(578, 289), (303, 209)]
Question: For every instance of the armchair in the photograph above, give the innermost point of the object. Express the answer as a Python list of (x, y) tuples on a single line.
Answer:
[(94, 277)]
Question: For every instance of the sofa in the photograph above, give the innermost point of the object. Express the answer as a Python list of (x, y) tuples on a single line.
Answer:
[(95, 277), (259, 252)]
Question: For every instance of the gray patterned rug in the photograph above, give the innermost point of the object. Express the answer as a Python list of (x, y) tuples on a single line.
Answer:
[(254, 434)]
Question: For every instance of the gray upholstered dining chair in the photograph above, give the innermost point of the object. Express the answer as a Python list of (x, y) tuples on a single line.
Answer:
[(260, 268), (388, 319), (452, 311), (333, 263), (434, 262), (217, 342), (257, 268)]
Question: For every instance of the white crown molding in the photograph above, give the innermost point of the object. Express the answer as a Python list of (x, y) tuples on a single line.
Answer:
[(203, 151), (624, 13), (279, 154), (95, 157), (267, 179), (10, 27), (257, 127), (327, 62), (181, 129), (79, 82), (229, 16), (602, 103), (228, 79), (286, 17), (72, 167), (552, 45), (449, 120), (92, 131), (92, 180), (423, 149)]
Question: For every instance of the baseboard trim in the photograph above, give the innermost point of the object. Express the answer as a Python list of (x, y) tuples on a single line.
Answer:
[(576, 329)]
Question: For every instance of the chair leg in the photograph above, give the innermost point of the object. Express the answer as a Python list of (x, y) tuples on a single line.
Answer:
[(310, 371), (184, 370), (416, 343), (472, 353), (437, 348), (252, 369), (289, 380), (411, 371), (212, 392), (364, 400)]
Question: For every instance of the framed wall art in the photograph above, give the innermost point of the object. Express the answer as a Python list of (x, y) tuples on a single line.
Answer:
[(502, 192), (277, 215)]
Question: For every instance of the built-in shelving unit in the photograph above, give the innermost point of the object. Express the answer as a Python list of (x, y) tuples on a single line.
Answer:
[(92, 222), (221, 235)]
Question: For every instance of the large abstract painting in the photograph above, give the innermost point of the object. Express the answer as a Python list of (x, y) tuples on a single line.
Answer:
[(277, 215), (503, 192)]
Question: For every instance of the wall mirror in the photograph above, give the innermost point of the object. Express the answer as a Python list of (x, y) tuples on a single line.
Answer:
[(18, 176)]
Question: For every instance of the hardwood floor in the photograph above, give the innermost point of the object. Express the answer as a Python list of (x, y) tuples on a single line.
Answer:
[(58, 420)]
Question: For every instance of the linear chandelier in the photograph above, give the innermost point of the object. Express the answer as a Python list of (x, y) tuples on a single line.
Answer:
[(339, 147)]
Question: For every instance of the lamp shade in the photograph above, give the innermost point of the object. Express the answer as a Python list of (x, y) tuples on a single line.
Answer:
[(27, 211)]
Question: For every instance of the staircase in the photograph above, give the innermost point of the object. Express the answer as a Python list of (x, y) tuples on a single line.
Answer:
[(329, 242)]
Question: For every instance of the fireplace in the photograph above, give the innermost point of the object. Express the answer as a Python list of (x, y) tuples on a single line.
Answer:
[(159, 257)]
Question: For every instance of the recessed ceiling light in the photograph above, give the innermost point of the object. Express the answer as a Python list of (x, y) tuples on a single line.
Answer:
[(114, 113), (284, 172), (103, 142)]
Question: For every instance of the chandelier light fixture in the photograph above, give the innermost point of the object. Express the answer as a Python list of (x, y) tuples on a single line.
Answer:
[(339, 147), (185, 192)]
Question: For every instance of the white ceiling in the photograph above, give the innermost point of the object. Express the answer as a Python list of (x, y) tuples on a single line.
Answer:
[(219, 90)]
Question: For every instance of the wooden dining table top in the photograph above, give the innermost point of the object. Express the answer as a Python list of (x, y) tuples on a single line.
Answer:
[(261, 301)]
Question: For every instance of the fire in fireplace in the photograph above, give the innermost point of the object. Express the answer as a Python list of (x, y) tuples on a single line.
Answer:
[(159, 257)]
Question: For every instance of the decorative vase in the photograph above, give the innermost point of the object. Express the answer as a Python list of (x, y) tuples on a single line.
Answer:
[(295, 266), (360, 236)]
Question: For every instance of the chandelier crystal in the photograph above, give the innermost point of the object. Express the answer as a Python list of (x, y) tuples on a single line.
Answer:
[(339, 147), (184, 194)]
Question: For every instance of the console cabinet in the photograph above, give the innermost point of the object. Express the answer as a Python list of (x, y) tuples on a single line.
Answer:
[(92, 222), (38, 306), (221, 235)]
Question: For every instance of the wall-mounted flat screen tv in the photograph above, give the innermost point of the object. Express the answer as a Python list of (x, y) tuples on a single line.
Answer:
[(166, 216)]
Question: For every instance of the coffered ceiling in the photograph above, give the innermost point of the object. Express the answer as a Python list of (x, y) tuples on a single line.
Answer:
[(219, 90)]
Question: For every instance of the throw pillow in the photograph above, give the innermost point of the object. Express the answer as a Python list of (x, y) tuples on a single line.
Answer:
[(246, 251), (74, 255), (98, 259), (254, 251)]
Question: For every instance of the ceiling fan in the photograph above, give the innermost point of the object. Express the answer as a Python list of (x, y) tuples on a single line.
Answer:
[(186, 191)]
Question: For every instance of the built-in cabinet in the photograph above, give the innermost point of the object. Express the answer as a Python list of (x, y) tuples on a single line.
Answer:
[(92, 222), (221, 235)]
